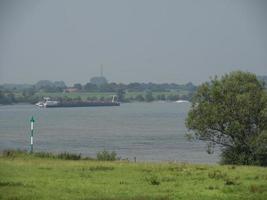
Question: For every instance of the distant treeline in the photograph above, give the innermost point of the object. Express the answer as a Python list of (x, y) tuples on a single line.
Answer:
[(15, 93), (142, 92), (7, 97), (60, 86), (135, 87)]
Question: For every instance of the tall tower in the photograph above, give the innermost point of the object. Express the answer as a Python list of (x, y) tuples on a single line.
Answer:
[(99, 80), (101, 70)]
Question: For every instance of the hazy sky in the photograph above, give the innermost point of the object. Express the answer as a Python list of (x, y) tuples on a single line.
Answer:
[(137, 40)]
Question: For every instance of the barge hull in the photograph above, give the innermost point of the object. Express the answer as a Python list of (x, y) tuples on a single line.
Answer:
[(83, 104)]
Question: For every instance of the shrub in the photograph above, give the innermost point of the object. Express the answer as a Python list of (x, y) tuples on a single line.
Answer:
[(257, 188), (64, 156), (13, 152), (229, 181), (106, 156), (101, 168), (217, 174), (44, 155), (153, 180), (69, 156)]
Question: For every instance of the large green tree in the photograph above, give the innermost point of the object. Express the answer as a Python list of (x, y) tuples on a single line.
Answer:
[(231, 112)]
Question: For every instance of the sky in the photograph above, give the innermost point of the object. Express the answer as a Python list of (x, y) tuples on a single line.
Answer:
[(159, 41)]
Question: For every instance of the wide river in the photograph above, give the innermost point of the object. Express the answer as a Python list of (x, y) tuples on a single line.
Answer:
[(147, 131)]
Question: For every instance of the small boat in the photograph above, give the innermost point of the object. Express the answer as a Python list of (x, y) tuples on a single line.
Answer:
[(182, 101), (40, 104), (47, 103)]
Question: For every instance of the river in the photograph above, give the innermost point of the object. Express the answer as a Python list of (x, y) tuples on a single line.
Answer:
[(147, 131)]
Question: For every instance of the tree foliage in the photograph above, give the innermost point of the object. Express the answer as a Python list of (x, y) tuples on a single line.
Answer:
[(78, 86), (232, 112), (120, 95), (149, 96)]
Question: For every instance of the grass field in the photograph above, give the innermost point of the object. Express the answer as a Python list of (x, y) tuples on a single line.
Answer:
[(28, 177), (84, 95)]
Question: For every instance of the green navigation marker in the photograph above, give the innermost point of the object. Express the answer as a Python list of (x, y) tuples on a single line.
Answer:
[(32, 122)]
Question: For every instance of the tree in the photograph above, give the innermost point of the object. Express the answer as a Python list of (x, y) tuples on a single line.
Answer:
[(44, 84), (149, 96), (60, 84), (90, 87), (173, 97), (120, 95), (139, 97), (231, 112), (78, 86), (26, 93), (161, 97)]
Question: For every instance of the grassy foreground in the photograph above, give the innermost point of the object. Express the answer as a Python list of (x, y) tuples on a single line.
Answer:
[(25, 176)]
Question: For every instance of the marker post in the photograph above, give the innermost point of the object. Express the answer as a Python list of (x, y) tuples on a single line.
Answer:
[(32, 122)]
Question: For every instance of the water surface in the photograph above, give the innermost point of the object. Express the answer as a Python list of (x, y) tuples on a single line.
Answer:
[(148, 131)]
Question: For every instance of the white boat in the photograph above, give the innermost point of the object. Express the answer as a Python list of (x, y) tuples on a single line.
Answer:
[(40, 104), (51, 103), (182, 101), (47, 103)]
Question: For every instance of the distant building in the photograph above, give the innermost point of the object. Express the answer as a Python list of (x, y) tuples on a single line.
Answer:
[(98, 80), (71, 89)]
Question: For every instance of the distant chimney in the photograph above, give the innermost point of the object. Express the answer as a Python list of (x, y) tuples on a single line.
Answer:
[(101, 70)]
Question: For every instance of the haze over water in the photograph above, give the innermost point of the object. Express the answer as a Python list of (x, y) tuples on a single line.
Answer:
[(148, 131)]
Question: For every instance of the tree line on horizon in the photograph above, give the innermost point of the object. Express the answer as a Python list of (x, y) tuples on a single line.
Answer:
[(145, 90), (59, 86)]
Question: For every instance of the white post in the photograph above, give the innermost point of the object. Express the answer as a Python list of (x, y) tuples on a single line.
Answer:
[(31, 125), (32, 121)]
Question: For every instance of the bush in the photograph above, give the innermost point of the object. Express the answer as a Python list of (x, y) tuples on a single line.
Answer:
[(257, 189), (106, 156), (255, 155), (229, 181), (217, 174), (13, 152), (64, 156), (44, 155), (153, 180), (139, 97), (69, 156)]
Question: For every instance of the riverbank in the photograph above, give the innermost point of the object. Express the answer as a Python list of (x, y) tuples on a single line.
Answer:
[(25, 176), (128, 97)]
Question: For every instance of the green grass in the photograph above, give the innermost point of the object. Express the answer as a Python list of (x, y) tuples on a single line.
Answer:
[(24, 176), (85, 95)]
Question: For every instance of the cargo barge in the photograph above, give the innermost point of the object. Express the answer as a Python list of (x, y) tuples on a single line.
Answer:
[(47, 103)]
